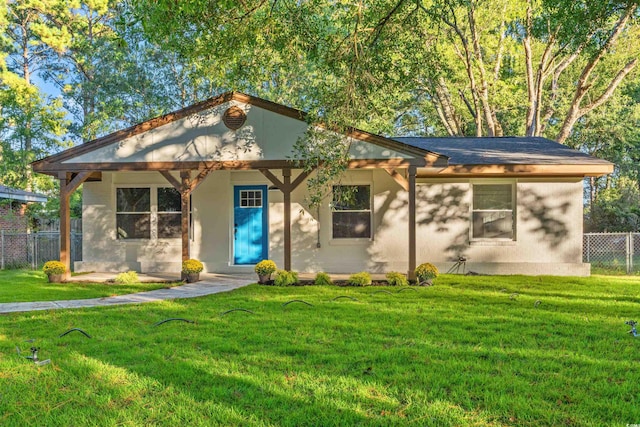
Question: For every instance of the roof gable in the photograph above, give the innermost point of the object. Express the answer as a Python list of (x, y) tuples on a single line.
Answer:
[(198, 134)]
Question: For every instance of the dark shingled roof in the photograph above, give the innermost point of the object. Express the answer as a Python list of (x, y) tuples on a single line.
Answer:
[(503, 151), (20, 195)]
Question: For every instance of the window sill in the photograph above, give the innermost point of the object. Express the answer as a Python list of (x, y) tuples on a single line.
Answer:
[(350, 242), (173, 240), (493, 242)]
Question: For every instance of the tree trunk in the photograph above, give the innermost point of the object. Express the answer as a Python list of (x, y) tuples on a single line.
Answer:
[(28, 124), (447, 110), (484, 85)]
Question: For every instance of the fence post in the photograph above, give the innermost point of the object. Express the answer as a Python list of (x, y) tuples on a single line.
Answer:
[(629, 251), (35, 250), (633, 249), (2, 244)]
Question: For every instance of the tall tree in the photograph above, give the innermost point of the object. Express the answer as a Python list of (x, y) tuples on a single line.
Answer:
[(33, 121), (459, 67)]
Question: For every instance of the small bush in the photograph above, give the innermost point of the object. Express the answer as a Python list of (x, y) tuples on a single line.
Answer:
[(265, 267), (426, 272), (286, 278), (127, 278), (323, 279), (54, 267), (360, 279), (192, 266), (397, 279)]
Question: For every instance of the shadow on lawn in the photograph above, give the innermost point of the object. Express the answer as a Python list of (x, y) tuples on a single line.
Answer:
[(337, 363)]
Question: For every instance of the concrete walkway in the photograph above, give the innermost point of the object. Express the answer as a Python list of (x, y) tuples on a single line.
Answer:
[(209, 284)]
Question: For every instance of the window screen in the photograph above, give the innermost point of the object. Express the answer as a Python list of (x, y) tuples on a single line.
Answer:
[(351, 214), (133, 213), (493, 215)]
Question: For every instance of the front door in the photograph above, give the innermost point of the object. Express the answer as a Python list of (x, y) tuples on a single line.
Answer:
[(250, 229)]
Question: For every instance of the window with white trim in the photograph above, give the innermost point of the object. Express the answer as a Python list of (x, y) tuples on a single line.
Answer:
[(493, 214), (351, 211), (250, 198), (133, 213), (140, 215), (169, 213)]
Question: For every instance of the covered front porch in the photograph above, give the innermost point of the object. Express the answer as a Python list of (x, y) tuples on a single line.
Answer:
[(223, 158), (210, 227)]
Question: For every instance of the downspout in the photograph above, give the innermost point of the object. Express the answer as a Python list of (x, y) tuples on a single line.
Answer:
[(318, 245)]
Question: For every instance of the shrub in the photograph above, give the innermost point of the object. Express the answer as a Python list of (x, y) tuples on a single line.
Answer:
[(397, 279), (286, 278), (265, 267), (127, 278), (360, 279), (323, 279), (54, 267), (426, 272), (192, 266)]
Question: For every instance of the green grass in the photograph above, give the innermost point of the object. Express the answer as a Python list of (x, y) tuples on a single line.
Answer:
[(29, 285), (615, 267), (469, 351)]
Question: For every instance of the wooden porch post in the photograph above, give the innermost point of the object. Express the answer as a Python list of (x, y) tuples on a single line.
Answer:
[(66, 188), (186, 187), (412, 223), (286, 187), (65, 226), (286, 175), (185, 197)]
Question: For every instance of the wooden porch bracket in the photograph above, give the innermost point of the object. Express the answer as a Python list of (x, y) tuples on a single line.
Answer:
[(397, 177), (191, 185), (286, 186), (172, 180), (412, 222), (68, 185)]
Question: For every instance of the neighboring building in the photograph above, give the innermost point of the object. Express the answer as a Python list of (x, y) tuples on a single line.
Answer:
[(13, 204), (13, 221), (214, 182)]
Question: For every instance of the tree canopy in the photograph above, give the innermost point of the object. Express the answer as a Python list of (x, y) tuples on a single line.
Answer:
[(563, 69)]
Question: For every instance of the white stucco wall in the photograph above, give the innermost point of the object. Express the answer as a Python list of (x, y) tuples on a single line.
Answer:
[(548, 236), (266, 135)]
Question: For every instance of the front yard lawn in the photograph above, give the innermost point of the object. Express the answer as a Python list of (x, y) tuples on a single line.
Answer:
[(29, 285), (469, 351)]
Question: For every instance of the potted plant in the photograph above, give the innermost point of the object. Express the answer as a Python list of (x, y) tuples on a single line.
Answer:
[(54, 271), (191, 269), (426, 273), (264, 269)]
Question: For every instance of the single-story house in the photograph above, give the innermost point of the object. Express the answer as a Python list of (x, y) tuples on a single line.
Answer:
[(215, 182)]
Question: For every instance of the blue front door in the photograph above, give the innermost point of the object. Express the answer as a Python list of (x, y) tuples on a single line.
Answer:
[(250, 230)]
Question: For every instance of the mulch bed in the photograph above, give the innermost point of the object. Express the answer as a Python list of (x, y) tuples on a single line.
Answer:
[(342, 283)]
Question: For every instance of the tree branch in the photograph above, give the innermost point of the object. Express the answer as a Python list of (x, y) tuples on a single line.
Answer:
[(611, 88)]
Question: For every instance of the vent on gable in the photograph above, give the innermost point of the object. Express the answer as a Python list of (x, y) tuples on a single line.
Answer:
[(234, 118)]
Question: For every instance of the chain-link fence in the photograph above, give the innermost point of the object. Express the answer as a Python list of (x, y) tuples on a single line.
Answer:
[(31, 250), (608, 253), (617, 253)]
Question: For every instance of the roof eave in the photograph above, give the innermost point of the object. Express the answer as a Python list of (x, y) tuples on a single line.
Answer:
[(529, 170)]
